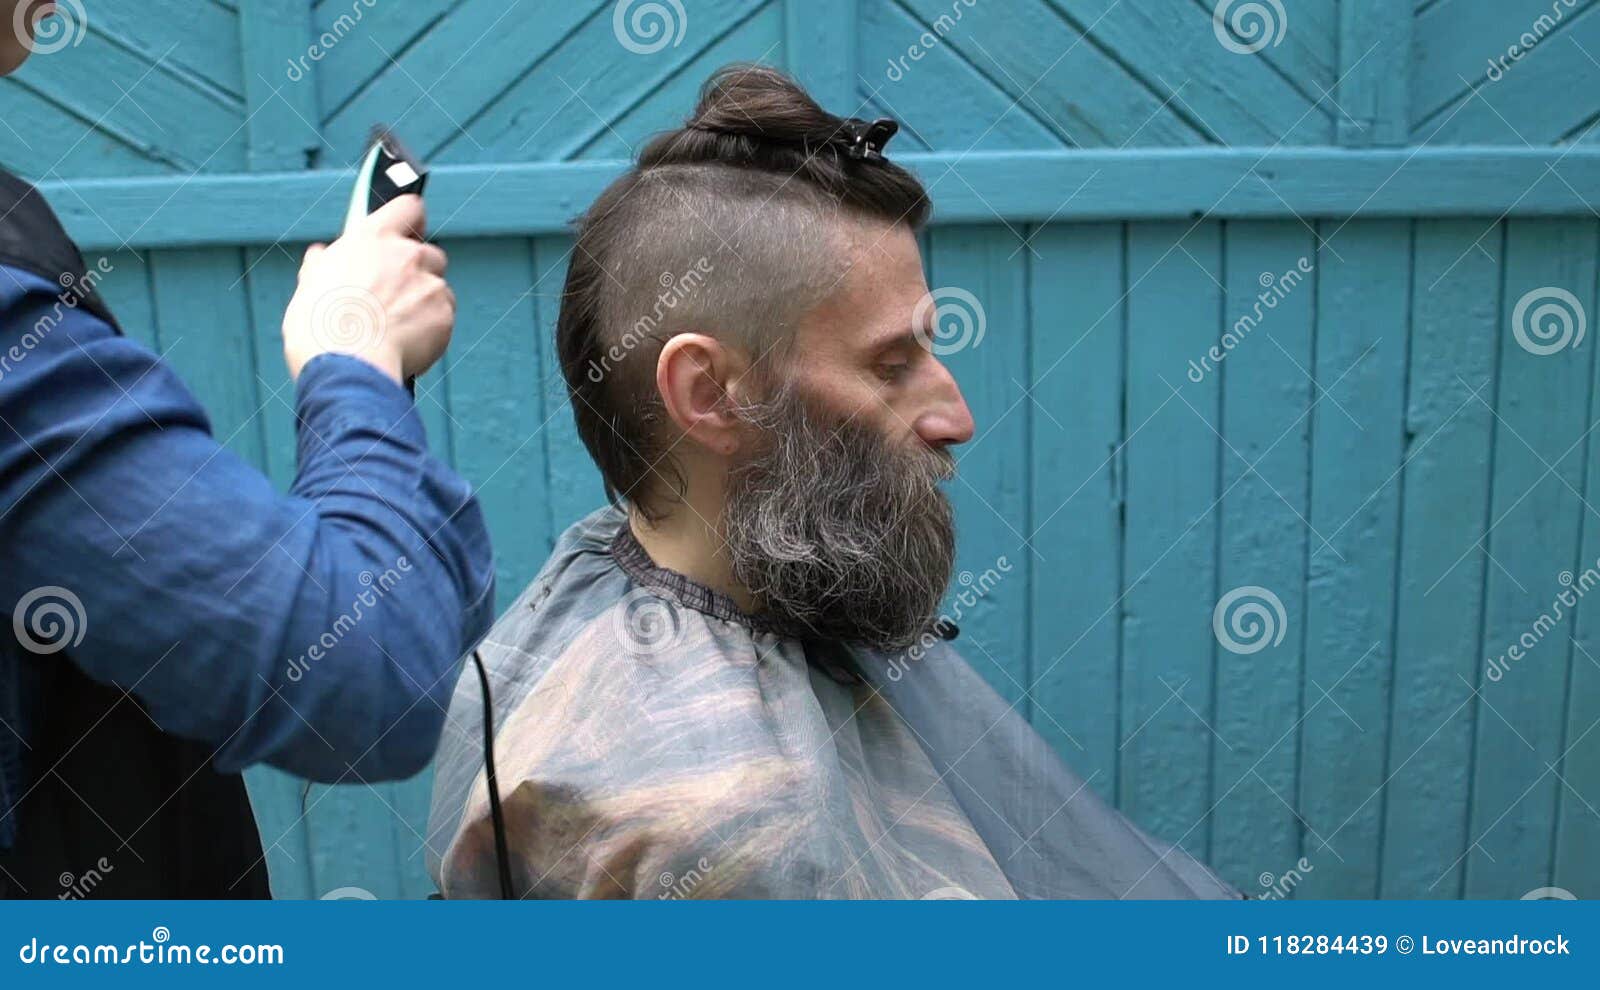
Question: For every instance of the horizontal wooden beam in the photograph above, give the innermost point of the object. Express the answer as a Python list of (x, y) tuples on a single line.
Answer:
[(1017, 187)]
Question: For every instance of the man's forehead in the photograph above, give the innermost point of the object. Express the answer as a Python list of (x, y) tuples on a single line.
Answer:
[(879, 284), (880, 249)]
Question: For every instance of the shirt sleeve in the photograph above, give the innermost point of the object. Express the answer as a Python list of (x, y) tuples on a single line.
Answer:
[(318, 631)]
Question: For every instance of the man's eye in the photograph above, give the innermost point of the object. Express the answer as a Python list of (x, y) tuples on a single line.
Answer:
[(892, 372)]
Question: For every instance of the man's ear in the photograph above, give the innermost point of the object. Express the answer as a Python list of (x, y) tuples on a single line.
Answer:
[(694, 373)]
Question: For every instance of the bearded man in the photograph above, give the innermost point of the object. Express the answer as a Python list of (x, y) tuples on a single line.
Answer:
[(707, 690)]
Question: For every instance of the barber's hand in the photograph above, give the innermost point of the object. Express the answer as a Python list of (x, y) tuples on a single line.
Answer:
[(377, 293)]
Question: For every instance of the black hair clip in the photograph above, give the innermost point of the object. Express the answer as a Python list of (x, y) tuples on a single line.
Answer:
[(865, 140)]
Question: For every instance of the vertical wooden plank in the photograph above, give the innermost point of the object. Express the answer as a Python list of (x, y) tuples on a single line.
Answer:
[(280, 90), (410, 801), (1362, 316), (353, 835), (1265, 341), (275, 800), (403, 805), (1577, 838), (433, 407), (495, 373), (573, 488), (1449, 424), (126, 289), (275, 795), (497, 419), (207, 307), (1170, 537), (1533, 540), (270, 284), (205, 331), (1374, 73), (979, 281), (1075, 615), (820, 43), (352, 838)]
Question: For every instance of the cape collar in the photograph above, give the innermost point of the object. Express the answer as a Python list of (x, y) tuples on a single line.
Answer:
[(837, 660)]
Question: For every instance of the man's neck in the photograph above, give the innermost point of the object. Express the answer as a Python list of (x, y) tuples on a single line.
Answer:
[(686, 540)]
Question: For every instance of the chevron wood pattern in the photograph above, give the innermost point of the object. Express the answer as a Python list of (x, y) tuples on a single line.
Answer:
[(1120, 185)]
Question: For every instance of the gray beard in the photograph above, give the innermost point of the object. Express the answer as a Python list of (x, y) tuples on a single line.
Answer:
[(835, 531)]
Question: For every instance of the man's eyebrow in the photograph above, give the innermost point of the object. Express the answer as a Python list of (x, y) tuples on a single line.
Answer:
[(893, 340)]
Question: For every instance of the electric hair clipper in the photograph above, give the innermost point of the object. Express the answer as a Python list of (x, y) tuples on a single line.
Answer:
[(387, 171)]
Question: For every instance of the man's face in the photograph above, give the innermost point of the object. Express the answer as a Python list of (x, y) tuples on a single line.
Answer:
[(17, 32), (834, 517), (861, 353)]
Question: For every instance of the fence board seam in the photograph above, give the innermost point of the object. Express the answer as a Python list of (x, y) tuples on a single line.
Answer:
[(529, 199)]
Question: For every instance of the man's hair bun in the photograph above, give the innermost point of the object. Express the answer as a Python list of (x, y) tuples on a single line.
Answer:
[(754, 116)]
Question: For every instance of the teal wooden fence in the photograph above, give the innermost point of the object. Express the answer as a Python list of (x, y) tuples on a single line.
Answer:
[(1272, 298)]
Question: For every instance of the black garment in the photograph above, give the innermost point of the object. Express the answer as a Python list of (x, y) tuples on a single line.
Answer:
[(31, 238), (110, 806), (100, 775)]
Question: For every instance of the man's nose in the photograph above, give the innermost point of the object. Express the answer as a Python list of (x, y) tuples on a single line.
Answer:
[(945, 420)]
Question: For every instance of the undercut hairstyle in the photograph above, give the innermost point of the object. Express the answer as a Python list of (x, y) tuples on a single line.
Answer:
[(734, 225)]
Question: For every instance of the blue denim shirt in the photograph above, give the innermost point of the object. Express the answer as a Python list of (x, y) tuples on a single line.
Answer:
[(318, 631)]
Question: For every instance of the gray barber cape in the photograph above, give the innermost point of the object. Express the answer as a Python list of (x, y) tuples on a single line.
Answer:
[(653, 741)]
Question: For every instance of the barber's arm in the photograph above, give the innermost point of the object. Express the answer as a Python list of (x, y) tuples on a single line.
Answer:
[(318, 631)]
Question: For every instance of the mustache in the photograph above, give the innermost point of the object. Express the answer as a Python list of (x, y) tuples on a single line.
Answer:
[(788, 415), (944, 464)]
